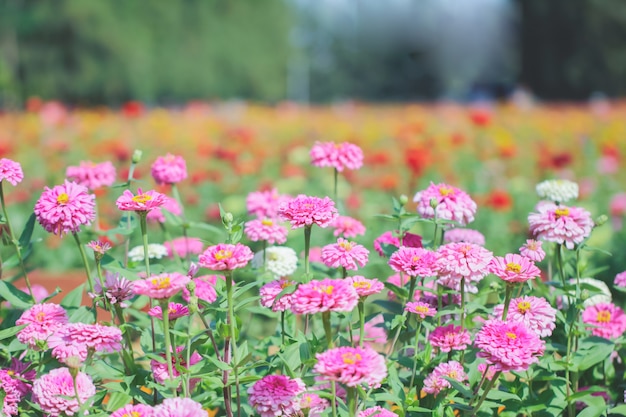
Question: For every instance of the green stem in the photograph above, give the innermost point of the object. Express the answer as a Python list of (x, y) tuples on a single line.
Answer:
[(507, 300), (336, 180), (83, 255), (166, 333), (484, 396), (351, 401), (463, 303), (307, 248), (128, 355), (329, 341), (232, 331), (417, 335), (144, 239), (185, 226), (210, 333), (74, 374), (107, 305), (187, 376), (168, 238), (282, 328), (361, 308)]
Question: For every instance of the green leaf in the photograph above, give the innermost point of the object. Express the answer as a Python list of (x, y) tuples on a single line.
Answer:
[(586, 358), (27, 233), (462, 389), (11, 331), (498, 395), (82, 315), (205, 226), (619, 410), (595, 406), (18, 298), (117, 400), (74, 298)]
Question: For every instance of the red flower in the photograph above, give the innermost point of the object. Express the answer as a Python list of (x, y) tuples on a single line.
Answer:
[(499, 200), (133, 109)]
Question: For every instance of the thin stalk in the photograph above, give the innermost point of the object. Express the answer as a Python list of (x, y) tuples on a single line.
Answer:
[(107, 305), (232, 329), (463, 303), (307, 248), (166, 333), (282, 328), (144, 238), (361, 308), (329, 341), (336, 180), (129, 354), (484, 396), (210, 333), (352, 401), (168, 238), (507, 300), (187, 377), (185, 226), (417, 335), (74, 374), (85, 261)]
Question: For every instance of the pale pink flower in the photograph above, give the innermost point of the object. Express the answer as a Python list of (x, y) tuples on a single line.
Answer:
[(374, 332), (182, 246), (314, 404), (64, 208), (161, 286), (276, 395), (421, 309), (11, 171), (510, 346), (41, 321), (76, 339), (160, 371), (620, 280), (458, 235), (386, 238), (376, 412), (513, 268), (179, 407), (415, 262), (264, 204), (491, 371), (347, 227), (100, 248), (174, 311), (336, 155), (141, 202), (169, 204), (117, 289), (617, 209), (169, 169), (56, 395), (205, 289), (365, 287), (462, 260), (451, 204), (434, 383), (306, 211), (325, 295), (532, 250), (92, 176), (607, 319), (225, 256), (137, 410), (535, 312), (346, 254), (450, 337), (351, 366), (267, 230), (567, 226), (270, 291), (15, 382)]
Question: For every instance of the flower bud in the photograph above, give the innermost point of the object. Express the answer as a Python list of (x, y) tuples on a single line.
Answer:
[(137, 156), (228, 218), (404, 199), (601, 220), (192, 271), (434, 203)]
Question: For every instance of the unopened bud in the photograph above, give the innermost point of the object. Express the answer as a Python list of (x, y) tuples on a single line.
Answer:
[(137, 156), (193, 304), (191, 272), (74, 363), (434, 203), (228, 218), (404, 199), (601, 220)]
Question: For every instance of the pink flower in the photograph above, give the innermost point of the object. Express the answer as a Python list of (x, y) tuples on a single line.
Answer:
[(458, 235), (137, 410), (170, 204), (617, 209), (175, 311), (535, 312), (609, 320), (179, 407), (411, 240), (450, 337), (92, 176), (117, 289), (491, 371), (270, 291), (620, 280), (349, 255), (314, 403), (76, 339), (304, 211), (510, 346), (161, 373), (325, 295), (11, 171), (141, 202), (415, 262), (386, 238), (266, 230), (56, 395), (568, 226), (532, 250), (225, 256), (99, 247), (513, 268), (276, 395), (434, 383), (264, 204), (169, 169), (347, 227), (335, 155), (423, 310), (205, 289), (182, 246), (64, 208), (458, 260), (374, 332), (451, 204), (41, 321), (376, 412), (365, 287), (351, 366), (15, 382), (161, 286)]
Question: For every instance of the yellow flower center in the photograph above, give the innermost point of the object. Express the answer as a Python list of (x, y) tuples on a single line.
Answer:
[(267, 222), (513, 267), (63, 198), (415, 258), (452, 374), (141, 198), (445, 191), (523, 307), (421, 309), (328, 289), (511, 335), (346, 245), (161, 283), (40, 316), (603, 316), (10, 372), (350, 358), (362, 285), (561, 211), (285, 284), (223, 254), (171, 310), (131, 414)]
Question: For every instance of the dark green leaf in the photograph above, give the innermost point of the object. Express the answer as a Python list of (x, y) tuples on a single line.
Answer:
[(74, 298), (17, 298), (11, 331), (27, 233)]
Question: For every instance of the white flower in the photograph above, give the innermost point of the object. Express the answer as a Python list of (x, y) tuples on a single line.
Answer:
[(281, 261), (559, 191), (155, 251), (601, 292)]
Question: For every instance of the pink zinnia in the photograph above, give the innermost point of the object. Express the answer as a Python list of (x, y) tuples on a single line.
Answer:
[(510, 346), (117, 289), (411, 240), (513, 268), (169, 169), (266, 230), (55, 393), (325, 295), (169, 204), (276, 395), (365, 287), (451, 204), (179, 407), (264, 204), (535, 312), (92, 176), (205, 289), (374, 332), (351, 366), (99, 247), (174, 311), (306, 211), (617, 209), (423, 310), (76, 339), (225, 256), (458, 235), (567, 226), (532, 250), (462, 260), (182, 246), (347, 227), (415, 262), (137, 410), (609, 320), (161, 286), (434, 383), (270, 291), (386, 238), (64, 208), (376, 412), (491, 371), (346, 254), (620, 280), (337, 155), (141, 202), (42, 320), (315, 404), (11, 171), (161, 373), (450, 337), (15, 382)]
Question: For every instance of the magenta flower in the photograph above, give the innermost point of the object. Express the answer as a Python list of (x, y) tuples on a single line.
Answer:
[(458, 235), (567, 226), (170, 204), (374, 332), (386, 238), (337, 155), (182, 246), (161, 286), (15, 382), (513, 268), (451, 204), (160, 371), (55, 393), (11, 171), (117, 289), (174, 311), (141, 202), (325, 295), (264, 204), (510, 346), (462, 260), (179, 407), (450, 337), (415, 262), (137, 410), (620, 280), (276, 395), (270, 291), (41, 321), (411, 240), (205, 289), (607, 319), (99, 247), (532, 250), (266, 230), (434, 383), (376, 412), (349, 255), (351, 366), (365, 287), (535, 312), (347, 227), (304, 211), (423, 310), (64, 208), (225, 257), (92, 176), (169, 169)]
